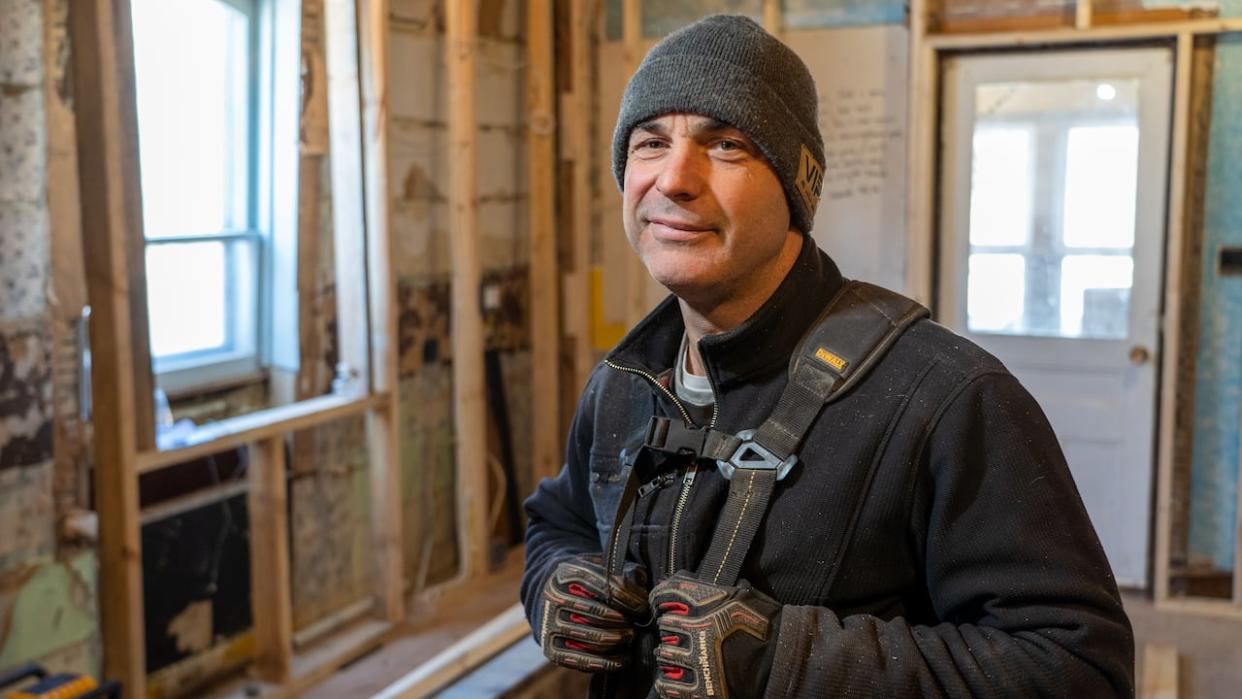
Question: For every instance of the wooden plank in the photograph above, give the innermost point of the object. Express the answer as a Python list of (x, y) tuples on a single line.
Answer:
[(461, 657), (1171, 323), (544, 288), (271, 591), (636, 278), (231, 432), (577, 132), (381, 427), (469, 409), (1237, 538), (1160, 675), (348, 208), (772, 18), (104, 100), (1082, 14), (921, 154), (1098, 33)]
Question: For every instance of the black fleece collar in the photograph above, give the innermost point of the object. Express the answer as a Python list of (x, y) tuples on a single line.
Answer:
[(759, 345)]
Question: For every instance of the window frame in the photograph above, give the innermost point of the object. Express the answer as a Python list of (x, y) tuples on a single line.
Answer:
[(240, 359)]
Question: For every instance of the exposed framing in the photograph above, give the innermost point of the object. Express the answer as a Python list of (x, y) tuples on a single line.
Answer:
[(926, 50), (469, 408), (112, 235), (577, 146), (544, 275), (111, 213)]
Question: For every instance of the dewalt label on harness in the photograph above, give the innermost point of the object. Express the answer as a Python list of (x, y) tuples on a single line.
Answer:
[(810, 180), (832, 360)]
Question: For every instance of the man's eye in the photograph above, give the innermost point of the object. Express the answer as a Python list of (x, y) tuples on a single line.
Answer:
[(649, 144)]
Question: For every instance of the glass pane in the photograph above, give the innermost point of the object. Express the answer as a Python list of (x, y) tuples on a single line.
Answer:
[(1095, 295), (1052, 208), (186, 295), (1101, 172), (1000, 186), (191, 64), (996, 292)]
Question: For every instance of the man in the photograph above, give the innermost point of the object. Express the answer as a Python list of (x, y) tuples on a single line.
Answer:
[(927, 539)]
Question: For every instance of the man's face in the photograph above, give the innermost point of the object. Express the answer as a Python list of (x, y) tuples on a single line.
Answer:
[(703, 209)]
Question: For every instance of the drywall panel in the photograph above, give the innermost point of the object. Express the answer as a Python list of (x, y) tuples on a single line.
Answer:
[(860, 74), (1218, 384)]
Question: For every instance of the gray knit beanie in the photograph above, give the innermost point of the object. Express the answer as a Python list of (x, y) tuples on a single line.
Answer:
[(728, 68)]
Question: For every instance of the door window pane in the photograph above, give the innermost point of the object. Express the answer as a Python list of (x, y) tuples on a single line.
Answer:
[(1101, 172), (1095, 296), (187, 285), (1000, 186), (996, 292), (192, 67)]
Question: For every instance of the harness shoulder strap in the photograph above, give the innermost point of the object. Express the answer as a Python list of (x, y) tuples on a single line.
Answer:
[(854, 331)]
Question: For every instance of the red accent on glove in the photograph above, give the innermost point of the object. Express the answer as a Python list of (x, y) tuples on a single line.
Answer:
[(676, 608)]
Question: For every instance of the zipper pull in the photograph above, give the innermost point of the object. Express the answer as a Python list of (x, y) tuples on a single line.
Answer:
[(660, 481)]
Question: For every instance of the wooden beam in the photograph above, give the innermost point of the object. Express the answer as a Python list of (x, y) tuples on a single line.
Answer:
[(1237, 537), (348, 215), (1160, 672), (1082, 14), (577, 132), (235, 431), (469, 409), (382, 430), (460, 658), (1171, 322), (636, 277), (1097, 33), (921, 155), (103, 88), (772, 19), (546, 437), (271, 589)]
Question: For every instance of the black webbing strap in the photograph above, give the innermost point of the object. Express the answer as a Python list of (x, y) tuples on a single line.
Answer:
[(860, 323)]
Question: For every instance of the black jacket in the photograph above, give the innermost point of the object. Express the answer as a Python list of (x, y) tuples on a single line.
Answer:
[(930, 541)]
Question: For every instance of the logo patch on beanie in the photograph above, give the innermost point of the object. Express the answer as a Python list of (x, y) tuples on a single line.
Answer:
[(810, 179)]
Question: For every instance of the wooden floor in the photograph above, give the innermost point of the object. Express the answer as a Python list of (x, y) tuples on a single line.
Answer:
[(455, 616), (1209, 650)]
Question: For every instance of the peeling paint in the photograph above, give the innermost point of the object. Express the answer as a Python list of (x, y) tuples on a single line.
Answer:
[(26, 517), (25, 396), (191, 629), (21, 42), (53, 610)]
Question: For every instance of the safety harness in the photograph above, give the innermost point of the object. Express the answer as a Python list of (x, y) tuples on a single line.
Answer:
[(850, 336)]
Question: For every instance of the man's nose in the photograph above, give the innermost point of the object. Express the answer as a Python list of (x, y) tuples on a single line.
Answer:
[(681, 177)]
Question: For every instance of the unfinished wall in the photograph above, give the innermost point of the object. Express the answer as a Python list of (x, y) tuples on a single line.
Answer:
[(419, 214), (48, 586), (1218, 385)]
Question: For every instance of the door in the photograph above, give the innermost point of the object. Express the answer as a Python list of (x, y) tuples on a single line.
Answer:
[(1053, 219)]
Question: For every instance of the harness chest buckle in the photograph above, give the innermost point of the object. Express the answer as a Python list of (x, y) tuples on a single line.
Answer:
[(751, 454)]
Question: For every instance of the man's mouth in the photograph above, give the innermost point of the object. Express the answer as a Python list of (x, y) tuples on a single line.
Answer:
[(674, 229)]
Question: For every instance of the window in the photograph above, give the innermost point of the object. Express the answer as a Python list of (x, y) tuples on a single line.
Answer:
[(196, 84), (1054, 172)]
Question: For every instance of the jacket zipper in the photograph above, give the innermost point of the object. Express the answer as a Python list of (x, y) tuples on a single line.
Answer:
[(691, 471)]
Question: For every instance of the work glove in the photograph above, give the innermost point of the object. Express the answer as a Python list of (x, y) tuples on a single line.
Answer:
[(584, 627), (715, 641)]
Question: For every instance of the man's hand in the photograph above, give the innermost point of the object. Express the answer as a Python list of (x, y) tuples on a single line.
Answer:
[(709, 630), (585, 627)]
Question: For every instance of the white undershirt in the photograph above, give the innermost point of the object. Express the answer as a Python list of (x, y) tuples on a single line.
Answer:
[(695, 390)]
